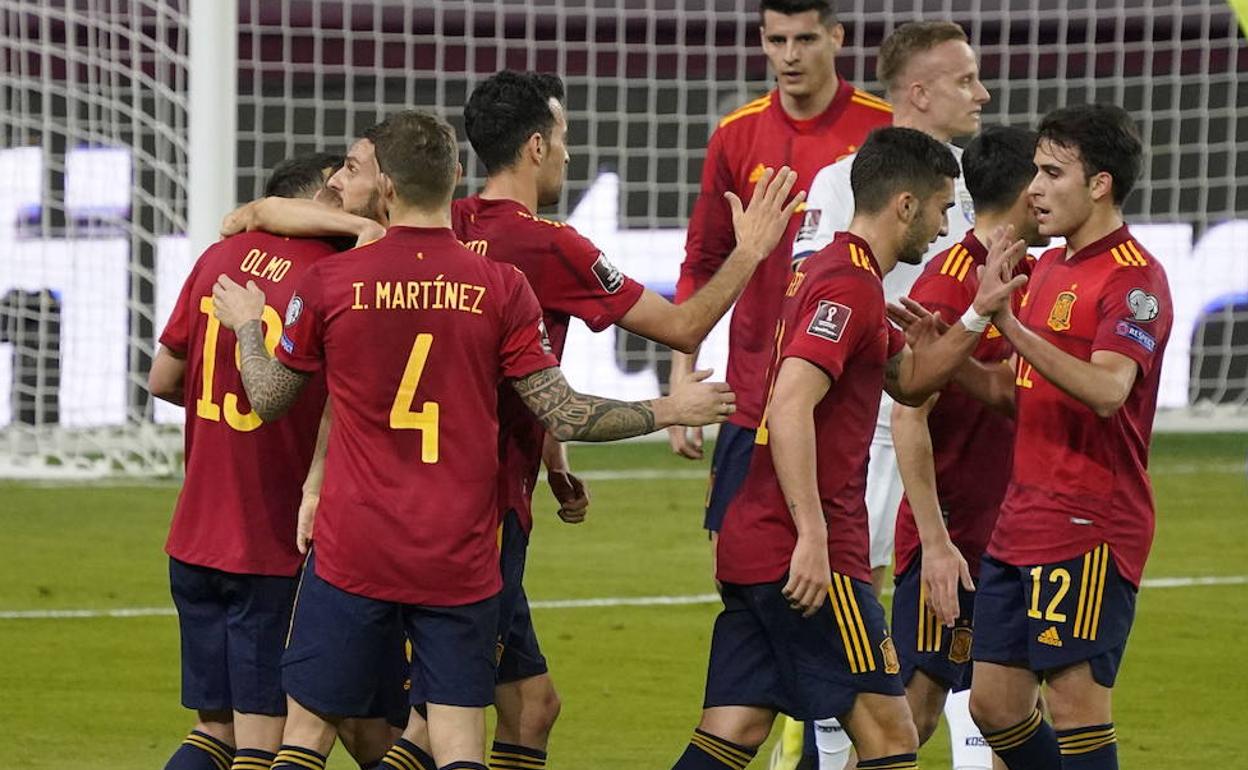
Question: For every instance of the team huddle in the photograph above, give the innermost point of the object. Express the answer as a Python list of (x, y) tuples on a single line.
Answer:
[(906, 385)]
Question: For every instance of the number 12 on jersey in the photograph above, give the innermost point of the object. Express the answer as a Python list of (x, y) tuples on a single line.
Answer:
[(403, 416)]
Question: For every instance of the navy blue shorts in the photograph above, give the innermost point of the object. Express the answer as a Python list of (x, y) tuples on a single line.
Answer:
[(518, 653), (233, 629), (765, 654), (923, 642), (342, 655), (1052, 616), (729, 464)]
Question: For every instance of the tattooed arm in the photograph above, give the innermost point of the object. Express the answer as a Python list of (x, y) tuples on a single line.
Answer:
[(271, 387), (573, 416)]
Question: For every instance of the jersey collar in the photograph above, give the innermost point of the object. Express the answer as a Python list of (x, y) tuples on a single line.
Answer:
[(977, 250), (847, 238), (1102, 246)]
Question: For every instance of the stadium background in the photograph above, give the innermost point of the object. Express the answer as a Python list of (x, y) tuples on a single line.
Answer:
[(96, 155)]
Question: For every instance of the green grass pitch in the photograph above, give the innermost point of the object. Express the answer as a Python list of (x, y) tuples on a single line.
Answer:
[(103, 692)]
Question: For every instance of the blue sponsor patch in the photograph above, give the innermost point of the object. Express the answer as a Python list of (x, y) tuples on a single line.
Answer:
[(1135, 333), (287, 344)]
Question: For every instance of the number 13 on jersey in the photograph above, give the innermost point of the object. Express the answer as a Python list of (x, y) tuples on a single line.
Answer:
[(206, 406)]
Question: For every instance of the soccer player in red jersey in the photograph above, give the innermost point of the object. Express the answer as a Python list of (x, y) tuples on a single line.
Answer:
[(415, 333), (1057, 587), (797, 532), (954, 457), (232, 556), (811, 118), (517, 126)]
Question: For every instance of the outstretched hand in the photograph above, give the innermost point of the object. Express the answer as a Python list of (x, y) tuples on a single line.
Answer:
[(759, 225), (702, 403), (997, 281)]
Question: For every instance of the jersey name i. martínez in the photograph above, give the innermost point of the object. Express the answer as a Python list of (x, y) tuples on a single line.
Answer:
[(437, 294)]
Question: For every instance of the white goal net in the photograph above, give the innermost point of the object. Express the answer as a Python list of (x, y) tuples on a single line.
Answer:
[(94, 153)]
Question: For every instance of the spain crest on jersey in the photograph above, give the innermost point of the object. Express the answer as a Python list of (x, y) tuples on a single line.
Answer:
[(1059, 316)]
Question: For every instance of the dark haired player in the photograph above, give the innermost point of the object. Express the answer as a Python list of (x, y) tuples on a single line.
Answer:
[(517, 126), (811, 118), (954, 458), (415, 333), (232, 556), (1056, 594), (796, 535)]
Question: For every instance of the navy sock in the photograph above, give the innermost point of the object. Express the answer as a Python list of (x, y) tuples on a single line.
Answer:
[(405, 755), (297, 758), (511, 756), (253, 759), (200, 751), (1089, 748), (895, 762), (710, 752), (1029, 745)]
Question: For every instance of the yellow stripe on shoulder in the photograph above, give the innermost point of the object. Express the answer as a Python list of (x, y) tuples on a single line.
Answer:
[(1135, 251), (867, 100), (744, 112)]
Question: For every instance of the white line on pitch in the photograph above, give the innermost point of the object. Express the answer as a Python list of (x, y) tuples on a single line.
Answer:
[(562, 604)]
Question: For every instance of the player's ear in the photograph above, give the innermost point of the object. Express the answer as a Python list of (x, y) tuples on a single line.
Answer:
[(916, 92), (906, 206), (837, 33), (537, 147), (387, 186), (1101, 185), (459, 172)]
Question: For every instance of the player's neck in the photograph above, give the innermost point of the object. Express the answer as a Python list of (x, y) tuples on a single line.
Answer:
[(812, 105), (1103, 221), (881, 237), (907, 117), (414, 216), (513, 186)]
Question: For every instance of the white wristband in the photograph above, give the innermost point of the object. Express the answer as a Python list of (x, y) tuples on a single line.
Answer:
[(974, 322)]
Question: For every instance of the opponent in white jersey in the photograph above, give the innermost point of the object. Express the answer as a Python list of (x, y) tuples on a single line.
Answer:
[(931, 77)]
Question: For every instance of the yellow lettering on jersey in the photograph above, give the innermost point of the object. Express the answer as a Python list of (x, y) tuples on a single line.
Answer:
[(795, 283), (382, 298), (1059, 316), (757, 173), (274, 269), (479, 246), (1023, 378), (436, 294), (357, 287), (206, 407)]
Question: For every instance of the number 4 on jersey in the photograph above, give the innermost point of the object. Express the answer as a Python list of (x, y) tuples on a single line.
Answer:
[(402, 416)]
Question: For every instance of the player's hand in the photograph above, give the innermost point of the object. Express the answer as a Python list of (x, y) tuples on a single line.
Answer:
[(307, 516), (369, 232), (571, 495), (942, 569), (235, 305), (997, 282), (702, 403), (686, 442), (809, 576), (239, 220), (759, 225), (922, 327)]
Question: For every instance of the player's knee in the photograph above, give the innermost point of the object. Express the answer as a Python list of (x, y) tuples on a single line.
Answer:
[(903, 737), (218, 724), (987, 713), (925, 725), (546, 712)]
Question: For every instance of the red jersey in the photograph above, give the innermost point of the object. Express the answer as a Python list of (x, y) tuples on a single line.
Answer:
[(1080, 480), (416, 333), (833, 317), (971, 442), (756, 136), (240, 501), (571, 277)]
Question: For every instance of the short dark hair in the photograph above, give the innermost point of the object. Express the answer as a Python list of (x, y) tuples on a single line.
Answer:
[(826, 9), (505, 110), (417, 150), (301, 176), (1106, 138), (999, 163), (894, 160), (909, 39)]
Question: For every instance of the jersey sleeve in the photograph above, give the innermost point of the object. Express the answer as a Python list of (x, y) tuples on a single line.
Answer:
[(177, 334), (1134, 314), (710, 238), (836, 317), (524, 348), (943, 295), (585, 284), (829, 208), (302, 345)]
